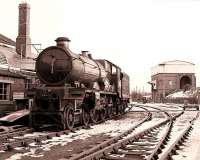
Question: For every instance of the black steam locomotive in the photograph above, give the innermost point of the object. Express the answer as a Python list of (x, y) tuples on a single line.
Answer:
[(75, 88)]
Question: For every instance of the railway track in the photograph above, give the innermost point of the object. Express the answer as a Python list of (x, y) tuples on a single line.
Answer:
[(146, 144), (99, 150), (179, 138), (10, 140), (139, 142), (13, 132)]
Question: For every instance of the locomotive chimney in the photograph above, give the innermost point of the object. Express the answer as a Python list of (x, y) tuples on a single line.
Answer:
[(90, 55), (84, 53), (63, 42), (23, 40)]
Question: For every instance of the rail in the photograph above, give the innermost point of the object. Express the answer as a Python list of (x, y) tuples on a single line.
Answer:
[(103, 151), (112, 140)]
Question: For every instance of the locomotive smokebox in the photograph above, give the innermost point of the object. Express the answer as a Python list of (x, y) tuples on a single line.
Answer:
[(54, 63)]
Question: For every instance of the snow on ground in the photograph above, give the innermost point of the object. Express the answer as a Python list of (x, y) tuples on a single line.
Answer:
[(165, 106), (182, 94), (169, 106), (29, 135), (146, 125), (110, 128), (149, 124), (137, 109), (178, 128), (190, 149)]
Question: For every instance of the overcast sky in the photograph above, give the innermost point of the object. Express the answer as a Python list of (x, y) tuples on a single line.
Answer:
[(134, 34)]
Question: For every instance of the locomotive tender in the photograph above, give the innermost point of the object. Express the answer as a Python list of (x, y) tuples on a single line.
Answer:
[(75, 88)]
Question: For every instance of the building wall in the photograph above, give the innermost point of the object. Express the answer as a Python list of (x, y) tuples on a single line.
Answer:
[(167, 83), (11, 88)]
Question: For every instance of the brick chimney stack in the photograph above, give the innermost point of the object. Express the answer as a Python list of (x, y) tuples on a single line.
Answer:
[(23, 39)]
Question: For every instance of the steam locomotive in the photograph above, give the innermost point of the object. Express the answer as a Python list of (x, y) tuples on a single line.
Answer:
[(75, 88)]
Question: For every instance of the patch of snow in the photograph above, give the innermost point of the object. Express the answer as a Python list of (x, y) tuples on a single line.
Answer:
[(19, 148), (178, 127), (110, 128), (16, 156), (181, 94), (35, 134), (190, 150), (164, 106), (135, 108)]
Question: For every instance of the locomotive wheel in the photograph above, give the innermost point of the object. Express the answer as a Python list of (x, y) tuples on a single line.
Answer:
[(109, 112), (120, 109), (103, 114), (85, 118), (94, 115), (69, 117), (124, 106)]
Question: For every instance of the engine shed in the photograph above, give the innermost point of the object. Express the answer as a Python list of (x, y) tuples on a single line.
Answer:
[(171, 76), (17, 65)]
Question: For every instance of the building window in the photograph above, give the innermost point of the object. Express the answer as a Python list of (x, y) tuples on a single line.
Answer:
[(28, 83), (4, 91), (170, 83)]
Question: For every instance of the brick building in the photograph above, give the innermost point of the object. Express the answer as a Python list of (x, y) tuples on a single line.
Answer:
[(17, 64), (171, 76)]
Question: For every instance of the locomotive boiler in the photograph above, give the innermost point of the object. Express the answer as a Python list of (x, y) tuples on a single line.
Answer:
[(75, 88), (57, 65)]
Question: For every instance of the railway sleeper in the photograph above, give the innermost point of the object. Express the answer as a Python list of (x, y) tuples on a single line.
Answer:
[(134, 147), (150, 139), (162, 146), (148, 136), (174, 152), (159, 151), (144, 144), (135, 157), (137, 152)]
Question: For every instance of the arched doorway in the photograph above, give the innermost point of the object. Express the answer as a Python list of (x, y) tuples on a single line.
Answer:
[(185, 83)]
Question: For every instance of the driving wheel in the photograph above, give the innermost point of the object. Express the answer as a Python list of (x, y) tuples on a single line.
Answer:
[(94, 115), (69, 117), (109, 111), (103, 114), (85, 118)]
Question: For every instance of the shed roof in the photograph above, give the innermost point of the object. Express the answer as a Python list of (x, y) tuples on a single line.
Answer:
[(9, 57), (175, 66), (176, 62), (6, 40), (9, 73)]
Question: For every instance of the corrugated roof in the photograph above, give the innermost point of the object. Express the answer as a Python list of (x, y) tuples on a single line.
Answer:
[(14, 60), (3, 59), (11, 74), (6, 40)]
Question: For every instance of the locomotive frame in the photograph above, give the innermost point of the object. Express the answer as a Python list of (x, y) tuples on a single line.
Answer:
[(89, 90)]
